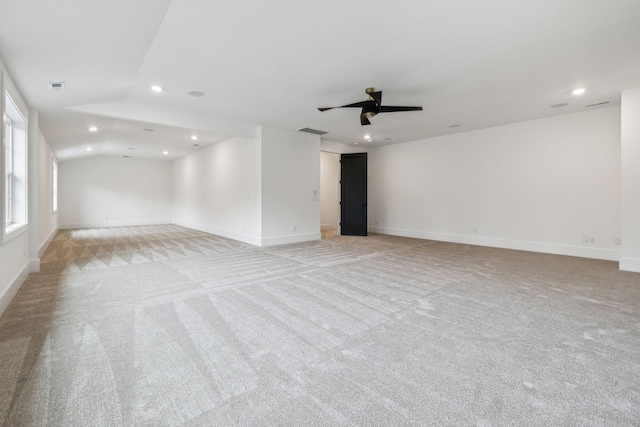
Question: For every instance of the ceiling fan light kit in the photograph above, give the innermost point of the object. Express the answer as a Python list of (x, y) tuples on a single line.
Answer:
[(373, 106)]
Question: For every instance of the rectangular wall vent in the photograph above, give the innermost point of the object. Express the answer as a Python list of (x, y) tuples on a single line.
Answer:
[(313, 131), (57, 86)]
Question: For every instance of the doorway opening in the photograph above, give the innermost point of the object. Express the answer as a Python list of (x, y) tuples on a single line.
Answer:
[(343, 194), (329, 194)]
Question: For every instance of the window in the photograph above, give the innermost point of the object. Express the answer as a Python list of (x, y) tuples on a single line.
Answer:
[(15, 167), (54, 183), (8, 169)]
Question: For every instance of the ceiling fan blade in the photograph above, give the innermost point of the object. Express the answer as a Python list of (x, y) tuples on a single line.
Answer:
[(364, 120), (355, 105), (377, 96), (390, 109)]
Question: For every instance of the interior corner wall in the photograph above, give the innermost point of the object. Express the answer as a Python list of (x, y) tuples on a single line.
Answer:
[(290, 186), (114, 191), (329, 190), (47, 219), (544, 185), (630, 158), (217, 190)]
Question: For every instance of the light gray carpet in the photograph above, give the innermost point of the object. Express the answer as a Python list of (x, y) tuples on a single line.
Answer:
[(162, 325)]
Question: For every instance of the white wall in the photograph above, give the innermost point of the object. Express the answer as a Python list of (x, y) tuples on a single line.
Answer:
[(329, 190), (14, 253), (217, 190), (630, 122), (290, 186), (114, 191), (539, 185), (47, 219)]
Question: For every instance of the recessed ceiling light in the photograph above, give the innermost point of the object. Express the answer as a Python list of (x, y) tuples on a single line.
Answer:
[(194, 137), (165, 152), (579, 91), (563, 104), (93, 129), (355, 143), (157, 89), (196, 145), (89, 149), (196, 93), (367, 136)]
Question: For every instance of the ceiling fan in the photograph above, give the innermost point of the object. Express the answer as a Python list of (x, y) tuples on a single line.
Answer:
[(372, 106)]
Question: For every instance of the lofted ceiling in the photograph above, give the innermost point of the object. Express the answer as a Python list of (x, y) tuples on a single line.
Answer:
[(469, 64)]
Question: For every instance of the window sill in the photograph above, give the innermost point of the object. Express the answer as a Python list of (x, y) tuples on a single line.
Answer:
[(13, 231)]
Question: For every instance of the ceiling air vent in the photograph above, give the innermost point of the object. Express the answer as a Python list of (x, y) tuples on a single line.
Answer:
[(597, 104), (57, 86), (313, 131)]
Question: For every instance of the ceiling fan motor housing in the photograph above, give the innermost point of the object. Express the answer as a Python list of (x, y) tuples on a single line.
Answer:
[(370, 110)]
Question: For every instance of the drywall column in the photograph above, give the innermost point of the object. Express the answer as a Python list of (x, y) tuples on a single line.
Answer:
[(290, 187), (630, 174), (33, 135)]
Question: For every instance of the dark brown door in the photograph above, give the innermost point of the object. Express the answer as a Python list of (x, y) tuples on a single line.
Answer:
[(353, 194)]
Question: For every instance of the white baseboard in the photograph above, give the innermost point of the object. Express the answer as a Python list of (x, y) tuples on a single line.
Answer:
[(294, 238), (252, 240), (103, 224), (548, 248), (630, 264), (47, 242), (34, 266), (14, 287)]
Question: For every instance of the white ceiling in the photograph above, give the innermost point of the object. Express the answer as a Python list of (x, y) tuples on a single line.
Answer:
[(272, 63)]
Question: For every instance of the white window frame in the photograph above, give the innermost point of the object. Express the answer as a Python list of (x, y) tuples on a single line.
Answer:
[(14, 170), (8, 171), (54, 185)]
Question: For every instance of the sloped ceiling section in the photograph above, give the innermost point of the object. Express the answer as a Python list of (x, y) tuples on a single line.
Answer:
[(472, 64)]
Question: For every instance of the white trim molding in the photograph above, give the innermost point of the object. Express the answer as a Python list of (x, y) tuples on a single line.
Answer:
[(47, 242), (494, 242), (630, 264), (13, 288), (104, 224), (293, 238), (252, 240)]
